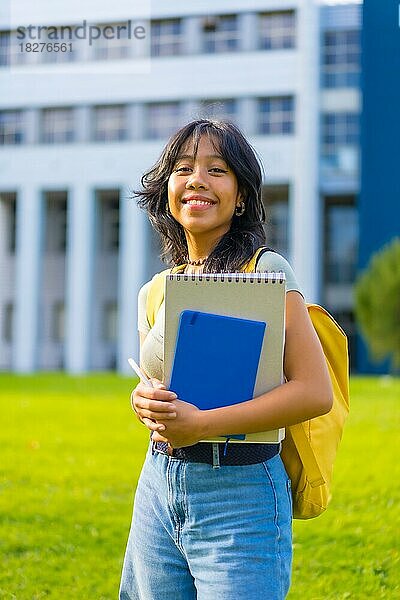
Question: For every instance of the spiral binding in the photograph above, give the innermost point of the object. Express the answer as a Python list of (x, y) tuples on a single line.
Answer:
[(264, 277)]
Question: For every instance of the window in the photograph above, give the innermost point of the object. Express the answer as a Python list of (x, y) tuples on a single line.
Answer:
[(276, 115), (163, 119), (62, 38), (340, 140), (57, 125), (219, 109), (117, 46), (277, 217), (109, 123), (11, 127), (8, 202), (341, 240), (220, 34), (4, 48), (10, 49), (56, 222), (341, 59), (166, 37), (277, 30), (8, 316), (110, 322), (58, 325), (109, 220)]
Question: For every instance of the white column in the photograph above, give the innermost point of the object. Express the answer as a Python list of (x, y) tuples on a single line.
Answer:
[(83, 123), (29, 233), (247, 115), (134, 249), (192, 35), (304, 200), (136, 121), (32, 125), (80, 251), (248, 24)]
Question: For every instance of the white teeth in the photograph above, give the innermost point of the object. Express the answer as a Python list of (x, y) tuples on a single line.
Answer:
[(200, 202)]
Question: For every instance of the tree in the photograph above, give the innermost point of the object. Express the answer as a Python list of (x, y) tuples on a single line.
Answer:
[(377, 303)]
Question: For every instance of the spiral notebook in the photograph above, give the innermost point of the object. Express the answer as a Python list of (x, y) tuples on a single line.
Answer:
[(254, 296)]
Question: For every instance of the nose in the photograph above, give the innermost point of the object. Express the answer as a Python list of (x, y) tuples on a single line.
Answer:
[(196, 180)]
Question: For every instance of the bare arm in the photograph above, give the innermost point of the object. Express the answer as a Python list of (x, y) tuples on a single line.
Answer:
[(306, 394)]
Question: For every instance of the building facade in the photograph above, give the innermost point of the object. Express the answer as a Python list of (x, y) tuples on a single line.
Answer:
[(79, 126)]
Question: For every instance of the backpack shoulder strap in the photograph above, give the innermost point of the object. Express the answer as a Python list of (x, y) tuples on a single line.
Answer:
[(155, 294), (251, 266)]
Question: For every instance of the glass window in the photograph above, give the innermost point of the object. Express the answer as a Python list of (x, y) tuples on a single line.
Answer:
[(8, 202), (225, 109), (109, 219), (56, 222), (110, 322), (166, 37), (341, 59), (110, 123), (276, 115), (8, 316), (58, 322), (340, 140), (11, 127), (57, 125), (220, 34), (277, 30), (116, 46), (341, 240), (163, 119), (63, 45), (10, 50), (276, 205)]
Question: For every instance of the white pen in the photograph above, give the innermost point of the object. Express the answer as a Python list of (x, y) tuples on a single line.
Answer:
[(139, 372)]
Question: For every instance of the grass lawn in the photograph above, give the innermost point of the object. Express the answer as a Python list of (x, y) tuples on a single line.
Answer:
[(71, 453)]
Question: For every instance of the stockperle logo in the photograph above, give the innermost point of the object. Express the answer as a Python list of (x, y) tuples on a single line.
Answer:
[(84, 31)]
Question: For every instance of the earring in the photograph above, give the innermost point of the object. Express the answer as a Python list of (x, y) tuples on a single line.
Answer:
[(240, 208)]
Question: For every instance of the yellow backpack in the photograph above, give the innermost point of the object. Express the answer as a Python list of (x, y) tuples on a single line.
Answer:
[(309, 448)]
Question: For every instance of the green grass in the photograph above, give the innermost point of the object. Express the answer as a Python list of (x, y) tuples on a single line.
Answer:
[(71, 453)]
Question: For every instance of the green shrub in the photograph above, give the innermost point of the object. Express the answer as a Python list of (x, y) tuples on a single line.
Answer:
[(377, 304)]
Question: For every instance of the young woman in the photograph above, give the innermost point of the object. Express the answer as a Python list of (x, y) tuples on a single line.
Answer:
[(198, 531)]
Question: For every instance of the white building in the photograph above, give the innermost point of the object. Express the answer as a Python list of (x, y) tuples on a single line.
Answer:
[(79, 127)]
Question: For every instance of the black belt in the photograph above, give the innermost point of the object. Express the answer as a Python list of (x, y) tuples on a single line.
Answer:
[(228, 454)]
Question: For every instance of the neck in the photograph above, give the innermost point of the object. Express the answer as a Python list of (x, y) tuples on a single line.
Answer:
[(199, 247)]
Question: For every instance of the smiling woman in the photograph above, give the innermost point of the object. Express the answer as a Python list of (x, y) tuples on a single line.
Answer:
[(212, 161), (209, 524)]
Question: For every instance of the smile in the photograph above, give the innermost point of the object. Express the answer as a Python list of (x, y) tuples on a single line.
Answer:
[(198, 203)]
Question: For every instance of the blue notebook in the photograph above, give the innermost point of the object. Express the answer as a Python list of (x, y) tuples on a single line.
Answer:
[(216, 359)]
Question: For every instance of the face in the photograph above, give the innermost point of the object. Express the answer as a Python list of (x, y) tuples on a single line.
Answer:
[(203, 192)]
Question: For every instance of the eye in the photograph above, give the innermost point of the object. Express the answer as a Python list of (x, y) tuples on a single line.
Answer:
[(218, 170), (182, 169)]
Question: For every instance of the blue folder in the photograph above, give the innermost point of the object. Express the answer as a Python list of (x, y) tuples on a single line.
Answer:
[(216, 359)]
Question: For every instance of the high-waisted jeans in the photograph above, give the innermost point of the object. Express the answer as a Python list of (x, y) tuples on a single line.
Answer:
[(204, 533)]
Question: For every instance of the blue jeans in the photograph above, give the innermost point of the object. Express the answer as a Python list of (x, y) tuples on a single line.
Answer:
[(204, 533)]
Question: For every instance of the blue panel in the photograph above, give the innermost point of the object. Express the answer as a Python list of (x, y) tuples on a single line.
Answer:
[(380, 132)]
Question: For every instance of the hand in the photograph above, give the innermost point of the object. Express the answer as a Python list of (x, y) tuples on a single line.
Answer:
[(185, 429), (152, 404)]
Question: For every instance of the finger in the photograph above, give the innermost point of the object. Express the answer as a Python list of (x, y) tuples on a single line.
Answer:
[(156, 383), (154, 406), (144, 391), (152, 425), (158, 416), (157, 437)]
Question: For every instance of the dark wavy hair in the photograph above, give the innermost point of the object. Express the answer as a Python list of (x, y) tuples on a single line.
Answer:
[(246, 233)]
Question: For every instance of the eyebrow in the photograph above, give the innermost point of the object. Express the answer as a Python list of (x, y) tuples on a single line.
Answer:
[(190, 156)]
